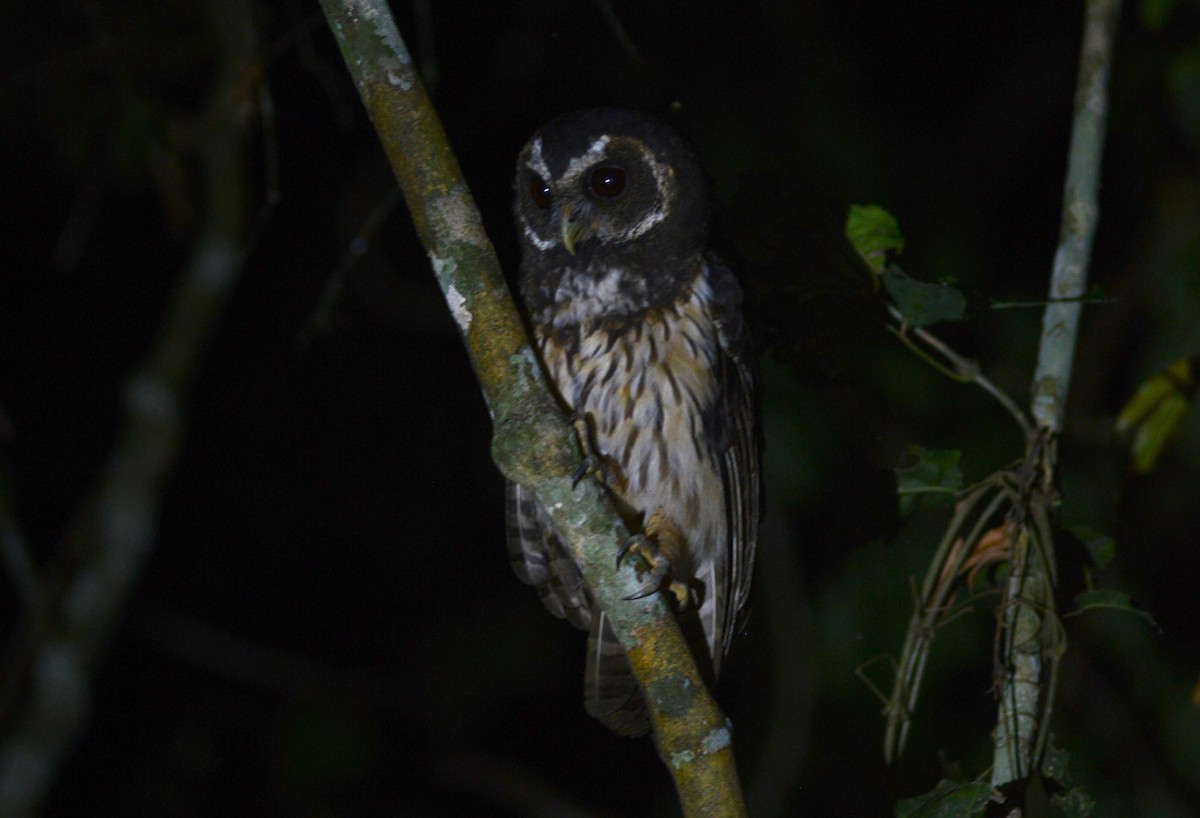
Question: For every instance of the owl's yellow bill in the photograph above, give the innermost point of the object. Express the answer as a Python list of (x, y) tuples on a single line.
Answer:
[(575, 228)]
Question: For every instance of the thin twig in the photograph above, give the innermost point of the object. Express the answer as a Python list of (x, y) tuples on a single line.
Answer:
[(619, 31), (962, 369), (930, 605), (322, 317)]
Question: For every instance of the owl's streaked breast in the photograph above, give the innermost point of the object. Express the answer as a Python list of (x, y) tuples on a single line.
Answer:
[(645, 388)]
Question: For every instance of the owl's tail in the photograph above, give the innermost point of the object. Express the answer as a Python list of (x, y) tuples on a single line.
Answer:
[(610, 691)]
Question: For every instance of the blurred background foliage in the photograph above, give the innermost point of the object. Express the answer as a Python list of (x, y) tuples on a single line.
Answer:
[(328, 625)]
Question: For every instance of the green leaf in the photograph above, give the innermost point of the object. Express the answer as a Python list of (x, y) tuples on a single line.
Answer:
[(949, 799), (922, 303), (873, 232), (1108, 598), (931, 475), (1152, 436), (1156, 412), (1101, 547)]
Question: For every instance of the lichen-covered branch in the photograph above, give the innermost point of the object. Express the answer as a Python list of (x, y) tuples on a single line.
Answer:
[(64, 636), (532, 442), (1032, 632)]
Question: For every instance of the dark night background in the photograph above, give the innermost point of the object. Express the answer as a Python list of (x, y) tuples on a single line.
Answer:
[(327, 624)]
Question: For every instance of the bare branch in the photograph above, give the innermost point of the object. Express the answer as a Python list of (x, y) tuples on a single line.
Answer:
[(1030, 625), (1080, 212), (112, 534)]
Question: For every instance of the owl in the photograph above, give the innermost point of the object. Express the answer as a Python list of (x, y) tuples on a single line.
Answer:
[(639, 329)]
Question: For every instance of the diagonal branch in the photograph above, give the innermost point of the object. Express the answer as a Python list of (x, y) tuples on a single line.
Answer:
[(65, 634), (532, 442), (961, 369)]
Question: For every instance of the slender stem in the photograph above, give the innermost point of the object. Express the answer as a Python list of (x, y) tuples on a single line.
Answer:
[(1080, 212), (964, 370), (619, 31), (532, 442), (1029, 602)]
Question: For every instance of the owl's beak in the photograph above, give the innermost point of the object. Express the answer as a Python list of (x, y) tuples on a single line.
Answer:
[(573, 225)]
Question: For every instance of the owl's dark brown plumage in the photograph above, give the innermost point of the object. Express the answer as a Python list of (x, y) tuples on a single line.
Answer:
[(639, 328)]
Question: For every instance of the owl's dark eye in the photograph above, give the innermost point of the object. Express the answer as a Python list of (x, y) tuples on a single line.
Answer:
[(540, 191), (608, 182)]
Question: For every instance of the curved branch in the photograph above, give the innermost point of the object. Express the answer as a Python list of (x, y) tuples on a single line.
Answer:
[(532, 442)]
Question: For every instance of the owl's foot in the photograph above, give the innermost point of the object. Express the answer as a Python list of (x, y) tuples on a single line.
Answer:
[(657, 546), (590, 466), (593, 463)]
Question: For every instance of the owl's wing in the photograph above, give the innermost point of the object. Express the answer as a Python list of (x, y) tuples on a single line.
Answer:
[(538, 558), (739, 440), (610, 691)]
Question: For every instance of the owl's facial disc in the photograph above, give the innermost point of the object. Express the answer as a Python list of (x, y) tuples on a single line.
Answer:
[(605, 184), (614, 189)]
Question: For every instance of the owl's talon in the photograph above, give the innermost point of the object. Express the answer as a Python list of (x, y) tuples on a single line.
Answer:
[(658, 573), (585, 468), (643, 592), (592, 463), (627, 546), (593, 466), (658, 565)]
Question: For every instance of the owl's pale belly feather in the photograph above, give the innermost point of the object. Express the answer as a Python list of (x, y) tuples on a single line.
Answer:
[(645, 391)]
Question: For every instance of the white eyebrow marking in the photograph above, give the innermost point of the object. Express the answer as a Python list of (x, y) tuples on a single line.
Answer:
[(590, 157), (664, 182), (537, 162)]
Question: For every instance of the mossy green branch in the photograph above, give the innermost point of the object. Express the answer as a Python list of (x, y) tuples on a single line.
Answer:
[(532, 441)]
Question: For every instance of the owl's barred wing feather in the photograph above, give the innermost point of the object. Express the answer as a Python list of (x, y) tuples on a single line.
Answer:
[(538, 558), (740, 443), (610, 690)]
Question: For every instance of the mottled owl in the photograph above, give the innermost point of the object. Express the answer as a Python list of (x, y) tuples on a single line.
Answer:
[(639, 329)]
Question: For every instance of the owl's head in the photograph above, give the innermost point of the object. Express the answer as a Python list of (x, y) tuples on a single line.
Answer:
[(609, 185)]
